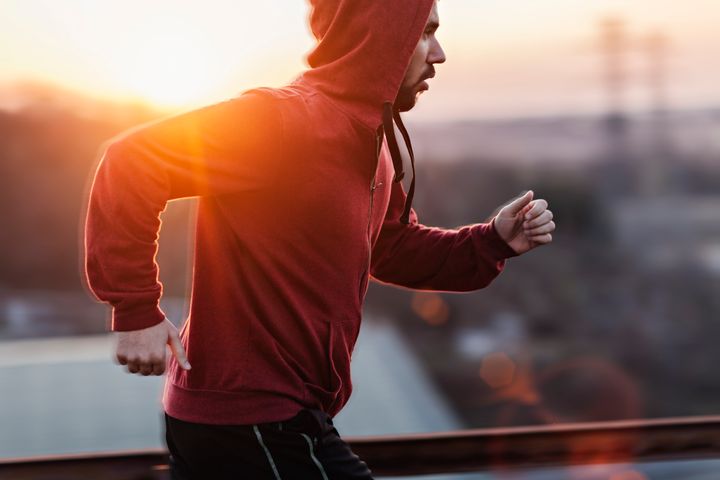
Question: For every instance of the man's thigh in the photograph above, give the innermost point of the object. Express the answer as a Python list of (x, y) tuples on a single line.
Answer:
[(200, 451), (338, 459)]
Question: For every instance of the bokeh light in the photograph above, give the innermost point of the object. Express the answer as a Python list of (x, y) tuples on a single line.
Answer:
[(497, 370), (431, 308)]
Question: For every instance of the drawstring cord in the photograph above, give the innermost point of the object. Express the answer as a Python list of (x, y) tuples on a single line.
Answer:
[(389, 114), (392, 141)]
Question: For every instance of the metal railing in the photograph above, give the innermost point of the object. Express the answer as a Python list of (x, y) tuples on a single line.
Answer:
[(479, 450)]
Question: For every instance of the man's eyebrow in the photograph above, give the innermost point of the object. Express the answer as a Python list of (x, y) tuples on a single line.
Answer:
[(432, 25)]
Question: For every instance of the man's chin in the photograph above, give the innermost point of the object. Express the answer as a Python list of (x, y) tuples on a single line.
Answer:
[(406, 104), (404, 108)]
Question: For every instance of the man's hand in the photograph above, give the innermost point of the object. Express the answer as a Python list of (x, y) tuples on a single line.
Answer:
[(143, 351), (525, 223)]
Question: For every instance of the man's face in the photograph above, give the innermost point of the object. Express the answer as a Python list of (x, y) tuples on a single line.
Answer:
[(427, 53)]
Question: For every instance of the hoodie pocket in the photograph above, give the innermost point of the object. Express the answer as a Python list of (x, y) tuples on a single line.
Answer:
[(336, 359), (364, 282), (324, 383), (344, 336), (332, 392)]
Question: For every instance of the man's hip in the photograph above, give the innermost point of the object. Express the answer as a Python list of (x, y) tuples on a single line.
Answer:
[(306, 446)]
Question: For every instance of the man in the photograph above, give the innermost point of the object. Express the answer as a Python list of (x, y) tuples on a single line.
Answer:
[(300, 202)]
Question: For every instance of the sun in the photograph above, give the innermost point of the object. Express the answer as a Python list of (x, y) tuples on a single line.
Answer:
[(171, 70)]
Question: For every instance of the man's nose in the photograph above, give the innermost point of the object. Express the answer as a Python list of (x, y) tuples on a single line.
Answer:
[(437, 54)]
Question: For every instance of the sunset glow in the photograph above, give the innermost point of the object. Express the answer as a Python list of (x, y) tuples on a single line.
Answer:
[(504, 58), (170, 69)]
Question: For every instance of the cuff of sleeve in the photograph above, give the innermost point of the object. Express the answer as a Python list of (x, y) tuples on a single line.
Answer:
[(137, 318), (488, 238)]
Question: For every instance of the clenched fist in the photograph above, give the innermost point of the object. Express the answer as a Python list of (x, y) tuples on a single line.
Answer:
[(143, 351), (525, 223)]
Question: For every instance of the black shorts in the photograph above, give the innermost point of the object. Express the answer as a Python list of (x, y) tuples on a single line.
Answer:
[(306, 446)]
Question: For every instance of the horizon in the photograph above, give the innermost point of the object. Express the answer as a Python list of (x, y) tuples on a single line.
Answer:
[(16, 98)]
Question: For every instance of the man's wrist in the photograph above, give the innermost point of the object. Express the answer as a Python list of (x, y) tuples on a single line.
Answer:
[(137, 318), (497, 244)]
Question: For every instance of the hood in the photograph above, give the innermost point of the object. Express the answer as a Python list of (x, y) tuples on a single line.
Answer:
[(363, 51)]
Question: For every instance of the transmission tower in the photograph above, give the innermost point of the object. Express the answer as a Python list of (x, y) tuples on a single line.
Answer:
[(661, 161), (618, 175)]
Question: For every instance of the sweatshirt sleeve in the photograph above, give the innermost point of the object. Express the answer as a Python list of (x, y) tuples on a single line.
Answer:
[(429, 258), (228, 147)]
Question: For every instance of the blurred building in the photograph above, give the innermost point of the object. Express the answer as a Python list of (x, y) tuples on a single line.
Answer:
[(670, 231)]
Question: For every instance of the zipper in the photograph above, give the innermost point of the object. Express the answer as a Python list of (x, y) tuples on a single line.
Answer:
[(368, 229)]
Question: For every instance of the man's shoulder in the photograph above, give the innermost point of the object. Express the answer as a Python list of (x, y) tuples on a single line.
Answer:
[(288, 92), (302, 110), (281, 101)]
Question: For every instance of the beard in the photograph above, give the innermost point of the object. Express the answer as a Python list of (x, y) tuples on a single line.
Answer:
[(408, 94), (406, 98)]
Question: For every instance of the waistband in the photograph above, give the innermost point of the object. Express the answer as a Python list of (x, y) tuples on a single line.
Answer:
[(311, 421)]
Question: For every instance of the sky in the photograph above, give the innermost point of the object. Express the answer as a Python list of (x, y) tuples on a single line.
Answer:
[(506, 58)]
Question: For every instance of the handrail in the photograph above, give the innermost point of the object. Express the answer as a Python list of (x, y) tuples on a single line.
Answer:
[(476, 450), (483, 450)]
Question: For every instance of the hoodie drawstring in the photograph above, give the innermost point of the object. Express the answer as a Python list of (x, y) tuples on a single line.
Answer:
[(389, 114)]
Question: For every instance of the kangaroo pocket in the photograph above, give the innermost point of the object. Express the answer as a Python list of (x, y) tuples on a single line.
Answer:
[(343, 335), (334, 389)]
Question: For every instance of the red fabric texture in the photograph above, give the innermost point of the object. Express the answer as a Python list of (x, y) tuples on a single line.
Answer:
[(296, 212)]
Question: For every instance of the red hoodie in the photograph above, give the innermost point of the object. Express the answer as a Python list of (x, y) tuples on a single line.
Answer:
[(298, 207)]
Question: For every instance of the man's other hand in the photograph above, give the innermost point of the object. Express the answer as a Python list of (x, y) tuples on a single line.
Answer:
[(525, 223), (143, 351)]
